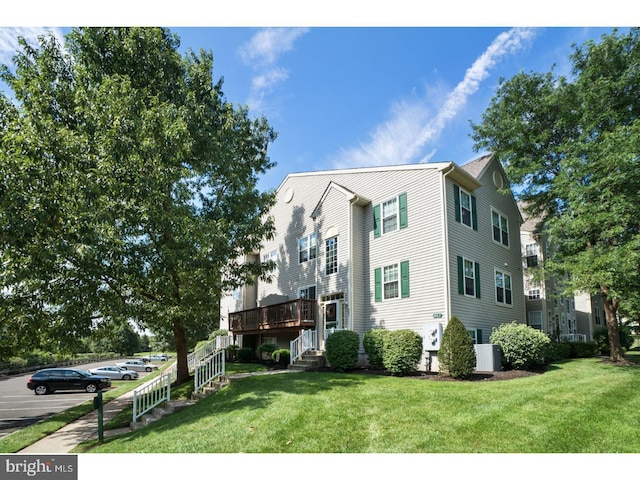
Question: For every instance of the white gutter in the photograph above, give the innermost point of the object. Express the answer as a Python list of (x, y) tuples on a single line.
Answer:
[(445, 240)]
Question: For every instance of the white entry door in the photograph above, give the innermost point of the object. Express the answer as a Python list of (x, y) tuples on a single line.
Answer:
[(332, 317)]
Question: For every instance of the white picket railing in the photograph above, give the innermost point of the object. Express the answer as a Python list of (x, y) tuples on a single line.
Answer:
[(150, 395), (196, 357), (307, 341), (208, 370), (573, 337), (153, 394)]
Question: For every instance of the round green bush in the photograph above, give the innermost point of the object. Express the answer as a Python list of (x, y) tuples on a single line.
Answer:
[(341, 350), (373, 343), (522, 346), (402, 351), (245, 354), (456, 357), (281, 356)]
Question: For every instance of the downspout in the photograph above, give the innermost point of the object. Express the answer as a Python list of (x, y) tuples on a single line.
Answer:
[(445, 240), (350, 265)]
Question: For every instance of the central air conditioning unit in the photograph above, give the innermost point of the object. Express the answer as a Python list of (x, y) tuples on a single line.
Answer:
[(432, 336), (488, 357)]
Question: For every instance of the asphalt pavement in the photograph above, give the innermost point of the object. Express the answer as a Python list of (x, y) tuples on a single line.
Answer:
[(81, 430)]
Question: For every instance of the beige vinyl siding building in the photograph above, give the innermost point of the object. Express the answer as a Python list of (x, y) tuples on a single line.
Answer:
[(379, 248)]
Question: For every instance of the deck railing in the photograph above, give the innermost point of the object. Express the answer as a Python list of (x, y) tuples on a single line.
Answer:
[(294, 313), (573, 337)]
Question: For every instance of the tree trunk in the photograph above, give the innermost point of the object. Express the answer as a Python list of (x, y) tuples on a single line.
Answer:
[(610, 309), (181, 353)]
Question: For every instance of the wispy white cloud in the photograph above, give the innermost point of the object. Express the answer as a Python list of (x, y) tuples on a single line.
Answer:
[(416, 122), (262, 53), (9, 45)]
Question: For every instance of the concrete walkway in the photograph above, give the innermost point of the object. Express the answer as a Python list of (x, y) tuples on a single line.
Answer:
[(86, 428)]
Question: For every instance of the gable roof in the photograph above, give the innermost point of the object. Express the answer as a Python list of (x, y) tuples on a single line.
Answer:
[(476, 167), (455, 171), (349, 194)]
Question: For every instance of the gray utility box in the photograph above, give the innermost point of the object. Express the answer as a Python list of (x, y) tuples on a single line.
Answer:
[(488, 357)]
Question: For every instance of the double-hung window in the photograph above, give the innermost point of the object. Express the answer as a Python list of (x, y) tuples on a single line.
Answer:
[(272, 256), (307, 248), (500, 228), (307, 292), (534, 294), (468, 277), (504, 293), (535, 319), (465, 205), (392, 281), (390, 215), (531, 252), (331, 255)]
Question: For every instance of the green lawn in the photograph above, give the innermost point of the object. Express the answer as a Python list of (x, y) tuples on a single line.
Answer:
[(581, 406)]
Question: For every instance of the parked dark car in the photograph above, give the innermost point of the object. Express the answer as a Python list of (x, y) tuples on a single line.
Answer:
[(51, 379)]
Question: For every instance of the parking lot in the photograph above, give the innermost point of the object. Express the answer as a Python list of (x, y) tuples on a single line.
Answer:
[(20, 407)]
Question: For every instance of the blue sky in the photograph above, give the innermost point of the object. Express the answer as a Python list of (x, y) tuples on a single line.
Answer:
[(355, 96)]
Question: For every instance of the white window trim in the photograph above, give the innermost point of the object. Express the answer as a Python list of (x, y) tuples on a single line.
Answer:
[(500, 217), (307, 288), (326, 260), (396, 214), (495, 286), (464, 277), (460, 192), (308, 237), (541, 325), (397, 281)]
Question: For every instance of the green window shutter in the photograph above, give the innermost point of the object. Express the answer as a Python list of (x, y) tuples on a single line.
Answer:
[(376, 221), (377, 273), (456, 198), (477, 280), (474, 213), (478, 335), (460, 276), (404, 279), (402, 201)]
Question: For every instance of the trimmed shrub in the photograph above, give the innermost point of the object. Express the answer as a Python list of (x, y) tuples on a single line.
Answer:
[(246, 354), (373, 343), (341, 349), (266, 349), (522, 346), (583, 350), (281, 356), (402, 350), (601, 337), (218, 333), (457, 357), (232, 352), (557, 351)]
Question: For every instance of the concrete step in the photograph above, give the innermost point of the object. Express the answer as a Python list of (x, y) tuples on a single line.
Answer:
[(308, 360)]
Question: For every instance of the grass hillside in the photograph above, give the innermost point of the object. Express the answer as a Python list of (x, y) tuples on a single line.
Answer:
[(581, 406)]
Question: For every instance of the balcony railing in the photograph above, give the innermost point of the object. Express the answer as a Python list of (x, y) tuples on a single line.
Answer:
[(300, 313)]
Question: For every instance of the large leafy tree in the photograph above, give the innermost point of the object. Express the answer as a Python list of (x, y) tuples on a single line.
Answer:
[(128, 186), (572, 144)]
